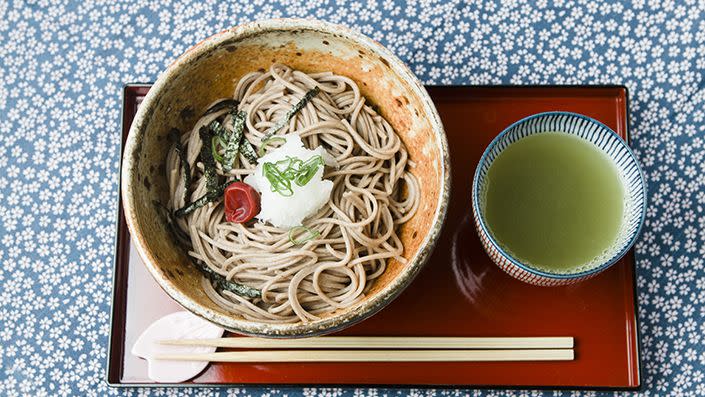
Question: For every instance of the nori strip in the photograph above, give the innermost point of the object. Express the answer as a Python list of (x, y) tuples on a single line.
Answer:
[(299, 105), (232, 141), (208, 161), (221, 283), (225, 103), (248, 151), (203, 200), (198, 203), (217, 129), (175, 136), (215, 191)]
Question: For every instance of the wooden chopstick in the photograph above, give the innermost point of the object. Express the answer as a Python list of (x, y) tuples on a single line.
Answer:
[(378, 342), (300, 356)]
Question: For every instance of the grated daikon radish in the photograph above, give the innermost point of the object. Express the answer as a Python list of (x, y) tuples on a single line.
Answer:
[(289, 211)]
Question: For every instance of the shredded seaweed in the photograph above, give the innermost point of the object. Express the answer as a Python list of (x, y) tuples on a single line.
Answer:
[(217, 129), (203, 200), (196, 204), (209, 171), (214, 190), (221, 283), (233, 141), (248, 151), (229, 140), (224, 104), (295, 109), (175, 137)]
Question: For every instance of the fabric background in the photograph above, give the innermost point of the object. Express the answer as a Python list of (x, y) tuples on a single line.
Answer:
[(63, 65)]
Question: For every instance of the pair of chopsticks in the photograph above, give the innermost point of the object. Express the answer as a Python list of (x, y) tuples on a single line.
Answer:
[(366, 349)]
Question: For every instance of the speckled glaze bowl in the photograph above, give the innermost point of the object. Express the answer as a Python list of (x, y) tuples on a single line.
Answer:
[(209, 71)]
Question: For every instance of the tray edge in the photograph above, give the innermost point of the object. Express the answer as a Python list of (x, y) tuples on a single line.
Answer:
[(119, 249)]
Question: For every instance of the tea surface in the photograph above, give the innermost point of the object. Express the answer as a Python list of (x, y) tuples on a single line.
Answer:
[(554, 201)]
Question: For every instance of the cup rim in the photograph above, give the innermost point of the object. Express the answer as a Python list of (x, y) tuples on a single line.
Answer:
[(511, 258)]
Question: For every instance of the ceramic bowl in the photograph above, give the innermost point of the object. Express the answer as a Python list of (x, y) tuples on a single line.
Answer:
[(209, 71), (590, 130)]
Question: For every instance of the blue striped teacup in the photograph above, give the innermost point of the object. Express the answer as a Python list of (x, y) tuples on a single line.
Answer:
[(590, 130)]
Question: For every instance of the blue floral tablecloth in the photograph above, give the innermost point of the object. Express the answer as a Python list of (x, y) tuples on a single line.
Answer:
[(62, 68)]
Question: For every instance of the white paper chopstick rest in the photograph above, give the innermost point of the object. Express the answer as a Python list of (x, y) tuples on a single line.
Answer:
[(179, 325)]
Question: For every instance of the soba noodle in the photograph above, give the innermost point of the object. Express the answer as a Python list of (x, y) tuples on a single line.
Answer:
[(373, 194)]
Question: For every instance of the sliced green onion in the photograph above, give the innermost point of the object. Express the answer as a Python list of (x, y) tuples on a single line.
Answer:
[(287, 117), (175, 137), (308, 170), (281, 173), (271, 139), (289, 167), (215, 142), (312, 234), (277, 181)]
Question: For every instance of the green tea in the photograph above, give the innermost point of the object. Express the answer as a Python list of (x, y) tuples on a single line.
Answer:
[(554, 201)]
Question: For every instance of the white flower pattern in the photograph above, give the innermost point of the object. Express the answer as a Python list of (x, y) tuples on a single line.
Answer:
[(63, 65)]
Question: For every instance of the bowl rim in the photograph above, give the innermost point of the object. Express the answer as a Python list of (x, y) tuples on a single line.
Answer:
[(327, 324), (512, 259)]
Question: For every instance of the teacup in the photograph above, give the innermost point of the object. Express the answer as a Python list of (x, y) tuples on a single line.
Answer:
[(609, 143)]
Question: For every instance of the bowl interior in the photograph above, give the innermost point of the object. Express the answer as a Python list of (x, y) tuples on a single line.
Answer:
[(604, 138), (210, 71)]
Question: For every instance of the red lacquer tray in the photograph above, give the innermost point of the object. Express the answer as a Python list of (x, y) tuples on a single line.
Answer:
[(459, 292)]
